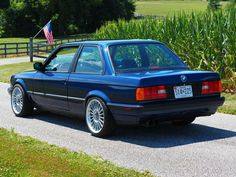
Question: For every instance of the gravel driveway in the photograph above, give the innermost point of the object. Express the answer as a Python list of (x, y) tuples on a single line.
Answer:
[(206, 148)]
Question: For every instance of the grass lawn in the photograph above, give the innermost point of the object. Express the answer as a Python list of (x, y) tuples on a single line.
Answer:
[(169, 7), (22, 39), (230, 104), (25, 156), (6, 40), (17, 39), (7, 70)]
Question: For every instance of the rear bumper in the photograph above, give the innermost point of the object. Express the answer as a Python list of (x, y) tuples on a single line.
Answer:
[(165, 110)]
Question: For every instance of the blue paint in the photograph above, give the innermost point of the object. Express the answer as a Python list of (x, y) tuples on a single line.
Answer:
[(69, 91)]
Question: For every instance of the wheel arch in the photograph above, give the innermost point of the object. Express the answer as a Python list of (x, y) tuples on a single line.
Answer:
[(22, 83), (24, 86), (27, 104), (110, 123), (99, 94)]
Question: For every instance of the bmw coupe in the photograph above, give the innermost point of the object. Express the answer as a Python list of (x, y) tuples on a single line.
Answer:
[(114, 82)]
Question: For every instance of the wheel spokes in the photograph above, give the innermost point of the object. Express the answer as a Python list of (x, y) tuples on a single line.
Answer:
[(17, 100), (95, 116)]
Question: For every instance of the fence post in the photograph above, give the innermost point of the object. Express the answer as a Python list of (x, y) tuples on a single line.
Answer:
[(47, 49), (27, 48), (38, 48), (5, 50), (17, 49), (31, 49)]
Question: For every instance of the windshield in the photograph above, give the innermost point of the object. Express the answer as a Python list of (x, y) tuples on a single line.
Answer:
[(143, 57)]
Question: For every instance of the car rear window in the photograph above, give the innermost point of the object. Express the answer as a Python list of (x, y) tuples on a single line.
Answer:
[(139, 57)]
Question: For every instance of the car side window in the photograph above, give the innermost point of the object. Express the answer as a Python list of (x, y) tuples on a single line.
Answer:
[(126, 57), (61, 62), (90, 61)]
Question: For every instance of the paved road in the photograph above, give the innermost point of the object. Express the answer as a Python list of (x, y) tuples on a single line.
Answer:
[(206, 148), (6, 61)]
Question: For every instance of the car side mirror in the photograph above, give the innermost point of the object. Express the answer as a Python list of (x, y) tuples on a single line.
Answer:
[(38, 66)]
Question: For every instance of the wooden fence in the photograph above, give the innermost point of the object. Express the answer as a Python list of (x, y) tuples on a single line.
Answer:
[(37, 48), (14, 49), (41, 49)]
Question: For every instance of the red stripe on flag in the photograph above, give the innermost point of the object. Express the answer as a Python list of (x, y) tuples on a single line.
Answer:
[(48, 35)]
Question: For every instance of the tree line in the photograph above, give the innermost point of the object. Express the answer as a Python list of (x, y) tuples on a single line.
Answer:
[(25, 17)]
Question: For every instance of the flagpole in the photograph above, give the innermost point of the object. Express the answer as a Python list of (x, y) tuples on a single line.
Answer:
[(31, 55), (38, 33), (40, 30)]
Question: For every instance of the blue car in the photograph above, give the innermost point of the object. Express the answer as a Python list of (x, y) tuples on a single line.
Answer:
[(117, 82)]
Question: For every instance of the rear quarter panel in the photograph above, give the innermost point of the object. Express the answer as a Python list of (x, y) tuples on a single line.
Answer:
[(110, 88)]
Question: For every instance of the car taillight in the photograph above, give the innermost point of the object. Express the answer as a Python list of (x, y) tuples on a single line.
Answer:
[(211, 87), (151, 93)]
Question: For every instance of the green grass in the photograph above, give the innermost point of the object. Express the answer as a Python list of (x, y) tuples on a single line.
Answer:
[(17, 39), (230, 105), (27, 157), (6, 40), (22, 39), (7, 70), (169, 7)]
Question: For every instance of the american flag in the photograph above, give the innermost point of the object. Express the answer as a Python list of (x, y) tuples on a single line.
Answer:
[(47, 29)]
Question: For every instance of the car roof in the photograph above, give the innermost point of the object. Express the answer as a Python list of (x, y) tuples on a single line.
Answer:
[(113, 42)]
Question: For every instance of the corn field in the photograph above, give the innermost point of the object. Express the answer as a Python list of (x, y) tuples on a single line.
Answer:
[(205, 41)]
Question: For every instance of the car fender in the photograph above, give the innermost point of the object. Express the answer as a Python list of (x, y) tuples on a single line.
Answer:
[(97, 93), (22, 83)]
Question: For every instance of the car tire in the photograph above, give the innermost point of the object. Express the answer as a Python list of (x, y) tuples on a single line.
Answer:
[(98, 118), (184, 122), (20, 103)]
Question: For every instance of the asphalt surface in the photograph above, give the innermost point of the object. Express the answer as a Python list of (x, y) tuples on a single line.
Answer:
[(206, 148), (7, 61)]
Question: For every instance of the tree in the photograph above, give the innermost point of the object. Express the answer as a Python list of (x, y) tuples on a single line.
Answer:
[(23, 17), (4, 4), (26, 17), (110, 10)]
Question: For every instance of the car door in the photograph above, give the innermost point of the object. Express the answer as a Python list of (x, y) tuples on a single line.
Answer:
[(55, 77), (86, 76)]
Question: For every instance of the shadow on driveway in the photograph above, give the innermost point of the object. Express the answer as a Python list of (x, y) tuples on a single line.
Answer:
[(168, 135), (162, 136)]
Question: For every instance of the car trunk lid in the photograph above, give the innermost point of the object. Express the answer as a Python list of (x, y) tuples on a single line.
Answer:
[(175, 81)]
